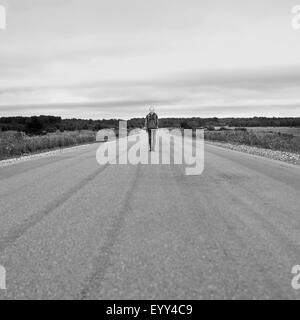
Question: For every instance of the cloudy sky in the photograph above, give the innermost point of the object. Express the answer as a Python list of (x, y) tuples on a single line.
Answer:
[(114, 58)]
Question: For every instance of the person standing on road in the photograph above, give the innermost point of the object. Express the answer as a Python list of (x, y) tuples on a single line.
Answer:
[(151, 124)]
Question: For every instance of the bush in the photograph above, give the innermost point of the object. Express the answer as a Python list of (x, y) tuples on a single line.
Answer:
[(185, 125), (210, 128), (240, 129)]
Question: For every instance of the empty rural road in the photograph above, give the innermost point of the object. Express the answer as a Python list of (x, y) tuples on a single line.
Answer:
[(72, 229)]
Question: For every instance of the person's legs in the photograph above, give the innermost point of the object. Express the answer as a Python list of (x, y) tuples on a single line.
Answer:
[(154, 139), (149, 137)]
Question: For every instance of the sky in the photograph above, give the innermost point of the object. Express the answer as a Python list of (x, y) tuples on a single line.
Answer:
[(115, 58)]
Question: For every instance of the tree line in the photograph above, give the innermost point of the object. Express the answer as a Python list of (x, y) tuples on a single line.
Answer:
[(45, 124)]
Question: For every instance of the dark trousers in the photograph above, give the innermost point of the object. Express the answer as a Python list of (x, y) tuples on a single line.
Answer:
[(151, 138)]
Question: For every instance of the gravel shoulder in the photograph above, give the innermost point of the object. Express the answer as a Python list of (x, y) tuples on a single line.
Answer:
[(289, 157)]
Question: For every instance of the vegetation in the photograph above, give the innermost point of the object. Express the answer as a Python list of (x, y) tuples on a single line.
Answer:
[(23, 135), (187, 123), (14, 144), (268, 140), (45, 124)]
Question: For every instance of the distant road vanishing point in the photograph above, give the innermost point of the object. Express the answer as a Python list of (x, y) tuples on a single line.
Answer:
[(72, 229)]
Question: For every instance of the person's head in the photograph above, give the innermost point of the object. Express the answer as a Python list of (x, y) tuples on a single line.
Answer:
[(151, 109)]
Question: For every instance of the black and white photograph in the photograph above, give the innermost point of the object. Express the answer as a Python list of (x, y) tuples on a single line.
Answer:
[(149, 151)]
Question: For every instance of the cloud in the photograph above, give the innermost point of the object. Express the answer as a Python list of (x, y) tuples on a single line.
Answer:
[(240, 93), (190, 55)]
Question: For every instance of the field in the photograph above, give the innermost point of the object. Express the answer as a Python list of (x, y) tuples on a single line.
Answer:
[(14, 144), (285, 130), (281, 139)]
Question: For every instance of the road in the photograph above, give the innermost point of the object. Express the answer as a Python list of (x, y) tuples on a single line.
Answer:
[(72, 229)]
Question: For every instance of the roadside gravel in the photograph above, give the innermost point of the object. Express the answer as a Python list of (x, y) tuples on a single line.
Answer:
[(289, 157)]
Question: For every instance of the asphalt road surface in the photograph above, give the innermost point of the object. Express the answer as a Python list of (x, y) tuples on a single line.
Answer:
[(73, 229)]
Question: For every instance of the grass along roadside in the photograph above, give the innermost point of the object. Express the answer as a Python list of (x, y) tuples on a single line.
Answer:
[(273, 145), (268, 140), (15, 144)]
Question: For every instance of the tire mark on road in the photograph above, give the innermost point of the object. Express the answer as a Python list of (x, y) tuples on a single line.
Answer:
[(14, 170), (103, 260), (7, 172), (16, 232), (284, 175), (234, 237), (70, 165)]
